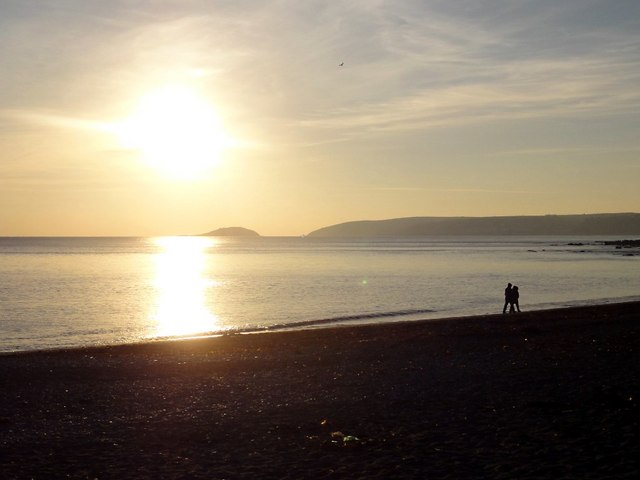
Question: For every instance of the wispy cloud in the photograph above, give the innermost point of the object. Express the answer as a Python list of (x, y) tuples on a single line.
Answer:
[(515, 97), (441, 71), (35, 118), (408, 64), (582, 150), (448, 190)]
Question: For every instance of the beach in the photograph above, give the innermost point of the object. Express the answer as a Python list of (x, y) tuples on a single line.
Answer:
[(547, 394)]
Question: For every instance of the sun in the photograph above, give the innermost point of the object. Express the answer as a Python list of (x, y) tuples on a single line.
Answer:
[(176, 131)]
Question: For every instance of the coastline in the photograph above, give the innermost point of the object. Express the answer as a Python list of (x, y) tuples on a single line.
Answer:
[(417, 316), (546, 394)]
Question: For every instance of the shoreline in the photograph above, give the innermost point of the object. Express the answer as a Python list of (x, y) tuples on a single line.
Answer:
[(359, 321), (546, 394)]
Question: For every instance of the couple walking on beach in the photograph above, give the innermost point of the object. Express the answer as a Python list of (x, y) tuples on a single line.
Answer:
[(511, 298)]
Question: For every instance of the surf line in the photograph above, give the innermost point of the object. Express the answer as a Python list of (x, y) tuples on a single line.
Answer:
[(347, 318)]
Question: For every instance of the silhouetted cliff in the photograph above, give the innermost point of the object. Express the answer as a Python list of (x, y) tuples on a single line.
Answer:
[(591, 224)]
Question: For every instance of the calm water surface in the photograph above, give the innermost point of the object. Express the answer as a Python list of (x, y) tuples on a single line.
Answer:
[(61, 292)]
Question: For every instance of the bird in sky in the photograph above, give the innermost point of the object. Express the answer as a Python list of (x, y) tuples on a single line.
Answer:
[(341, 65)]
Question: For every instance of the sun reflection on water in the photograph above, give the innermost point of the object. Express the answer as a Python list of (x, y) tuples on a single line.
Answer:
[(181, 287)]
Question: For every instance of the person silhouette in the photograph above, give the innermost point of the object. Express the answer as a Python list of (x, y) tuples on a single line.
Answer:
[(515, 300), (507, 298)]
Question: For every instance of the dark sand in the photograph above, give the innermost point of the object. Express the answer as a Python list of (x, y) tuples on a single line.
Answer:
[(550, 394)]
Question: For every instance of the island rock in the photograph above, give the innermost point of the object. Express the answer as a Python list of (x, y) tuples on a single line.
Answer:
[(232, 232)]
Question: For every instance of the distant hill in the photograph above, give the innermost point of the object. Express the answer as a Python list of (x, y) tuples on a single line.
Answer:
[(232, 232), (591, 224)]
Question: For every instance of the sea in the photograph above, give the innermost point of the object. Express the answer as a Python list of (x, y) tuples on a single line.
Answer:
[(75, 292)]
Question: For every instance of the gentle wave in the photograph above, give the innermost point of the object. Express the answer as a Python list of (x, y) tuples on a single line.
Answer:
[(306, 323), (328, 321)]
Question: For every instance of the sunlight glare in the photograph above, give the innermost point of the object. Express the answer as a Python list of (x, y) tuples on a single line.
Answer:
[(181, 287), (176, 131)]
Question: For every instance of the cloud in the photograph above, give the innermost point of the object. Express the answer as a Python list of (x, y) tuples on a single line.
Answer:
[(525, 92), (577, 151), (273, 65), (449, 190), (35, 118), (437, 71)]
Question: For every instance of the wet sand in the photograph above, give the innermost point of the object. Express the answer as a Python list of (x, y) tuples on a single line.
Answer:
[(551, 394)]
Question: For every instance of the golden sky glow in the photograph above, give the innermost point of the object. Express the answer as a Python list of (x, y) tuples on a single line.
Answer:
[(177, 117)]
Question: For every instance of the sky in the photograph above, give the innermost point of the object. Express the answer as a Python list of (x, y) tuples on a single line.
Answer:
[(134, 117)]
